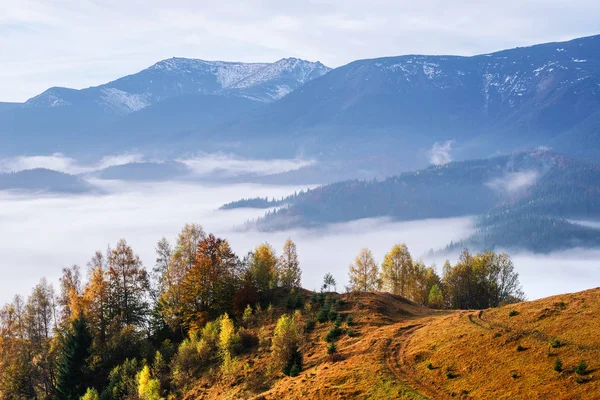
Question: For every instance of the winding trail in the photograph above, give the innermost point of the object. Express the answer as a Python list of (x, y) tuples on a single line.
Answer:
[(397, 361)]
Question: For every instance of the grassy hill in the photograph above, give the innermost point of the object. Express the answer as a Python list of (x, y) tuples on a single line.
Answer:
[(397, 349)]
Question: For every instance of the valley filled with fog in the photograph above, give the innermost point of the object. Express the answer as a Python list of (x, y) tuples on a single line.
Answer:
[(44, 232)]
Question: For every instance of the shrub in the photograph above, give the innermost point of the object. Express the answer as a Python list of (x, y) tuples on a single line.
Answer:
[(289, 303), (309, 325), (333, 334), (429, 365), (555, 343), (350, 333), (322, 315), (338, 320), (520, 348), (247, 317), (332, 348), (350, 320), (581, 368), (514, 375), (299, 301), (513, 313), (332, 315), (91, 394), (558, 365), (294, 371), (248, 340)]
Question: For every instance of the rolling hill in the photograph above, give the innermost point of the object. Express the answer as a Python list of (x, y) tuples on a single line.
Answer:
[(404, 351)]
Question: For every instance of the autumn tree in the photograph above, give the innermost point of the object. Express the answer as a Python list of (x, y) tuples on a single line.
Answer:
[(70, 293), (397, 270), (285, 346), (288, 266), (208, 288), (481, 281), (95, 297), (364, 272), (128, 285), (263, 267), (181, 261)]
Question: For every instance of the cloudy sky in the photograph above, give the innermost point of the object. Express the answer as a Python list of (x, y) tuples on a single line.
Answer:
[(79, 43)]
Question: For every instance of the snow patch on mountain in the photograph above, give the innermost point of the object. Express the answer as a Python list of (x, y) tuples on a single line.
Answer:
[(124, 102)]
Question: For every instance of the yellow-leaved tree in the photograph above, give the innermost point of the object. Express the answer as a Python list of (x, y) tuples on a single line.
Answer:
[(364, 273)]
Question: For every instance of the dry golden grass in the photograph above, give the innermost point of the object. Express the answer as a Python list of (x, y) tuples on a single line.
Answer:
[(479, 349), (473, 354)]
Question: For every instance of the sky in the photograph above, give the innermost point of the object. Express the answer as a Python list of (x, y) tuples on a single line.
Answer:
[(81, 43)]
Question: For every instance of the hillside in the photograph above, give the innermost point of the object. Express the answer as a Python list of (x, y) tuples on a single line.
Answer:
[(43, 180), (472, 353), (523, 200)]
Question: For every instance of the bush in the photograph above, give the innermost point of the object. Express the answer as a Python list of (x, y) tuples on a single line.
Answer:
[(520, 348), (294, 371), (429, 365), (513, 313), (332, 315), (289, 302), (351, 333), (332, 348), (338, 320), (309, 325), (333, 334), (581, 368), (248, 340), (299, 301), (322, 315), (350, 320), (555, 343), (558, 365)]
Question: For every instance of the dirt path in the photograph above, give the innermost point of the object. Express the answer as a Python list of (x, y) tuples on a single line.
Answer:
[(399, 364)]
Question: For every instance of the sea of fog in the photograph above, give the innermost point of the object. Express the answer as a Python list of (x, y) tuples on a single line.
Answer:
[(41, 234)]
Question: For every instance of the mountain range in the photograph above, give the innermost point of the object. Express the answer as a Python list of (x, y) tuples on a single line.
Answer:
[(172, 90), (394, 109)]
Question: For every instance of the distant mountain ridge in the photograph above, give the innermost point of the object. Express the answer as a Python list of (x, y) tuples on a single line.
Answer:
[(392, 108), (89, 120), (180, 76), (501, 101), (523, 200)]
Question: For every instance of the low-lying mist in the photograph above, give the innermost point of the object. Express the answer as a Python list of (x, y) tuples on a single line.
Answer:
[(42, 234)]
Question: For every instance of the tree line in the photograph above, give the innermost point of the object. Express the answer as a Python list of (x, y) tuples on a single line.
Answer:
[(476, 281), (127, 332)]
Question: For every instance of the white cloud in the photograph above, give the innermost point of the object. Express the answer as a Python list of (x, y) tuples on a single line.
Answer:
[(514, 181), (60, 162), (440, 153), (78, 43), (204, 164)]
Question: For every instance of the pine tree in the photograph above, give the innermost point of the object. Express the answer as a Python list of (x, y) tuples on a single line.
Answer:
[(364, 272), (71, 381)]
